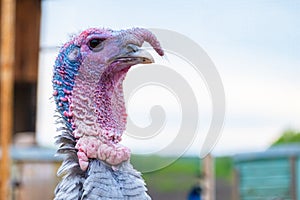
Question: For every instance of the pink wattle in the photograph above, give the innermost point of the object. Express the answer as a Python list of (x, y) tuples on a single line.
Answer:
[(98, 116), (92, 147)]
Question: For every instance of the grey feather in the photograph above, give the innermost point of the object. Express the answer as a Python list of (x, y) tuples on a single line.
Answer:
[(100, 181), (105, 183)]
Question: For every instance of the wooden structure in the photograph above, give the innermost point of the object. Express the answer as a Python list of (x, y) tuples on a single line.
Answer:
[(6, 89), (19, 48), (273, 174), (209, 178)]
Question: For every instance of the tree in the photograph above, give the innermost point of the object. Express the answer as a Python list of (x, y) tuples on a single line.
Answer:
[(288, 136)]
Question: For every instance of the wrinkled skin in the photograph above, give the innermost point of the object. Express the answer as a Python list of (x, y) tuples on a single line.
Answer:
[(88, 77)]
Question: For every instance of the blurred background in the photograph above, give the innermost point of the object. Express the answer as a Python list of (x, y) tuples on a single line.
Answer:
[(255, 47)]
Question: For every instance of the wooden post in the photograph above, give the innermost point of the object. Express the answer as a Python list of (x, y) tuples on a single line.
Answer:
[(208, 178), (6, 90), (236, 185), (293, 188)]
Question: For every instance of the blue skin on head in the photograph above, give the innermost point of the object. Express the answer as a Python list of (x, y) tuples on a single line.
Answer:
[(65, 71)]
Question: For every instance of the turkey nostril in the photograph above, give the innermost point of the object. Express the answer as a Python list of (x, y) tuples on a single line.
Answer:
[(132, 48)]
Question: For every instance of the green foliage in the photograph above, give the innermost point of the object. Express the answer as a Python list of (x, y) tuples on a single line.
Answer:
[(224, 168), (182, 174), (289, 136)]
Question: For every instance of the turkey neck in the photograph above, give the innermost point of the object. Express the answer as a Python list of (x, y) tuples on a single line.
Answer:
[(110, 105), (98, 105)]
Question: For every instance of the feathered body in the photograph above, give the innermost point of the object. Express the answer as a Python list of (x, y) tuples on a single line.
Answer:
[(87, 81)]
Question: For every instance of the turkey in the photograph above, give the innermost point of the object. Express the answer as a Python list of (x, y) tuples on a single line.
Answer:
[(87, 88)]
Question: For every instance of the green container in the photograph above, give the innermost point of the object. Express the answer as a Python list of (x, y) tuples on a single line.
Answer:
[(270, 175)]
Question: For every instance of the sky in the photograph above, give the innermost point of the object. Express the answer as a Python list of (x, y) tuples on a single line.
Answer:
[(254, 45)]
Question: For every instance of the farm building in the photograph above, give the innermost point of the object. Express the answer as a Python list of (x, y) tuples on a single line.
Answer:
[(270, 175), (19, 50)]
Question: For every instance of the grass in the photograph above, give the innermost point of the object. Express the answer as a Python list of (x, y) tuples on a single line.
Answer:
[(180, 175), (224, 168)]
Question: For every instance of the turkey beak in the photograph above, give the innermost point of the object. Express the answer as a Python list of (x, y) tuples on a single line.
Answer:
[(133, 55), (140, 55)]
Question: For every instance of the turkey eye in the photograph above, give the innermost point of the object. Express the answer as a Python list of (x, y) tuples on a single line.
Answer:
[(95, 44)]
